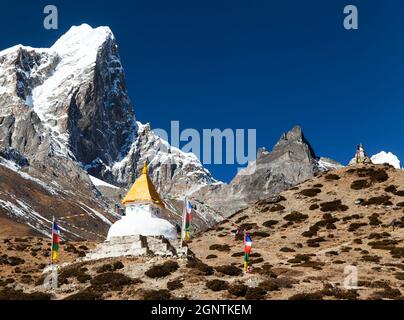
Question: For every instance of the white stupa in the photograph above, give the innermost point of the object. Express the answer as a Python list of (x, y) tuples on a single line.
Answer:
[(143, 207)]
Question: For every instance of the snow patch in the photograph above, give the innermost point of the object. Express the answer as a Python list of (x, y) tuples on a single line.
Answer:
[(95, 213), (386, 157), (325, 164), (97, 182)]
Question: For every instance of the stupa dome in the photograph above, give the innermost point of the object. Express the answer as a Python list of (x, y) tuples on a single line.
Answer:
[(144, 207)]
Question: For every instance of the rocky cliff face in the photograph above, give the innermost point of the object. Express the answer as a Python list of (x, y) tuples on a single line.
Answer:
[(69, 103), (291, 162), (173, 171), (65, 113)]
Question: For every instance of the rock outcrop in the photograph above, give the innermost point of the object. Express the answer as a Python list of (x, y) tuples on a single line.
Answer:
[(291, 161), (70, 102), (137, 245)]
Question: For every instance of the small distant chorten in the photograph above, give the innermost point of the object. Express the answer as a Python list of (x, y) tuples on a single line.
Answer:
[(143, 207), (360, 156)]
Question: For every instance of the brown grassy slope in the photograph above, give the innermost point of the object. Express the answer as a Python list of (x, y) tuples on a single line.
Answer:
[(343, 237), (287, 264), (23, 259), (67, 203)]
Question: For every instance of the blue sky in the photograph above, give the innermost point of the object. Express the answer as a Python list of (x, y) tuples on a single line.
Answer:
[(266, 65)]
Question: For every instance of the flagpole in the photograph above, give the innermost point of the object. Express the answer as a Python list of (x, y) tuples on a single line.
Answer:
[(245, 254), (184, 215), (51, 256), (244, 249)]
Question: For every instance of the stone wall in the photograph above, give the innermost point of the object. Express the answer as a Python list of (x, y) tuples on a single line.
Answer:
[(138, 245)]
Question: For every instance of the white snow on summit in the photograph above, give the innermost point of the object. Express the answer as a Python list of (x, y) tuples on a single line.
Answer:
[(386, 157), (77, 51)]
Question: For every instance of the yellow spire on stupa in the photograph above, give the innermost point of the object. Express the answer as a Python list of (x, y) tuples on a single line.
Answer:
[(143, 191)]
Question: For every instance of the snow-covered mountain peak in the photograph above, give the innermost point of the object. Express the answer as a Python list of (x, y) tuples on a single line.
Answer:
[(72, 103), (82, 43), (386, 157), (14, 50), (77, 50)]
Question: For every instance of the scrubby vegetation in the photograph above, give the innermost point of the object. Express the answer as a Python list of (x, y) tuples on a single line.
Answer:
[(351, 217), (369, 258), (270, 223), (238, 290), (307, 296), (12, 261), (86, 294), (277, 207), (276, 284), (376, 175), (356, 225), (255, 294), (387, 293), (332, 176), (220, 247), (391, 189), (77, 271), (156, 295), (333, 206), (229, 270), (310, 192), (211, 256), (304, 260), (265, 270), (162, 270), (248, 226), (299, 258), (374, 220), (110, 267), (110, 281), (12, 294), (217, 285), (315, 243), (360, 184), (241, 219), (238, 254), (296, 217), (327, 222), (379, 236), (372, 176), (385, 244), (397, 253), (200, 267), (331, 291), (174, 285), (380, 200), (260, 234)]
